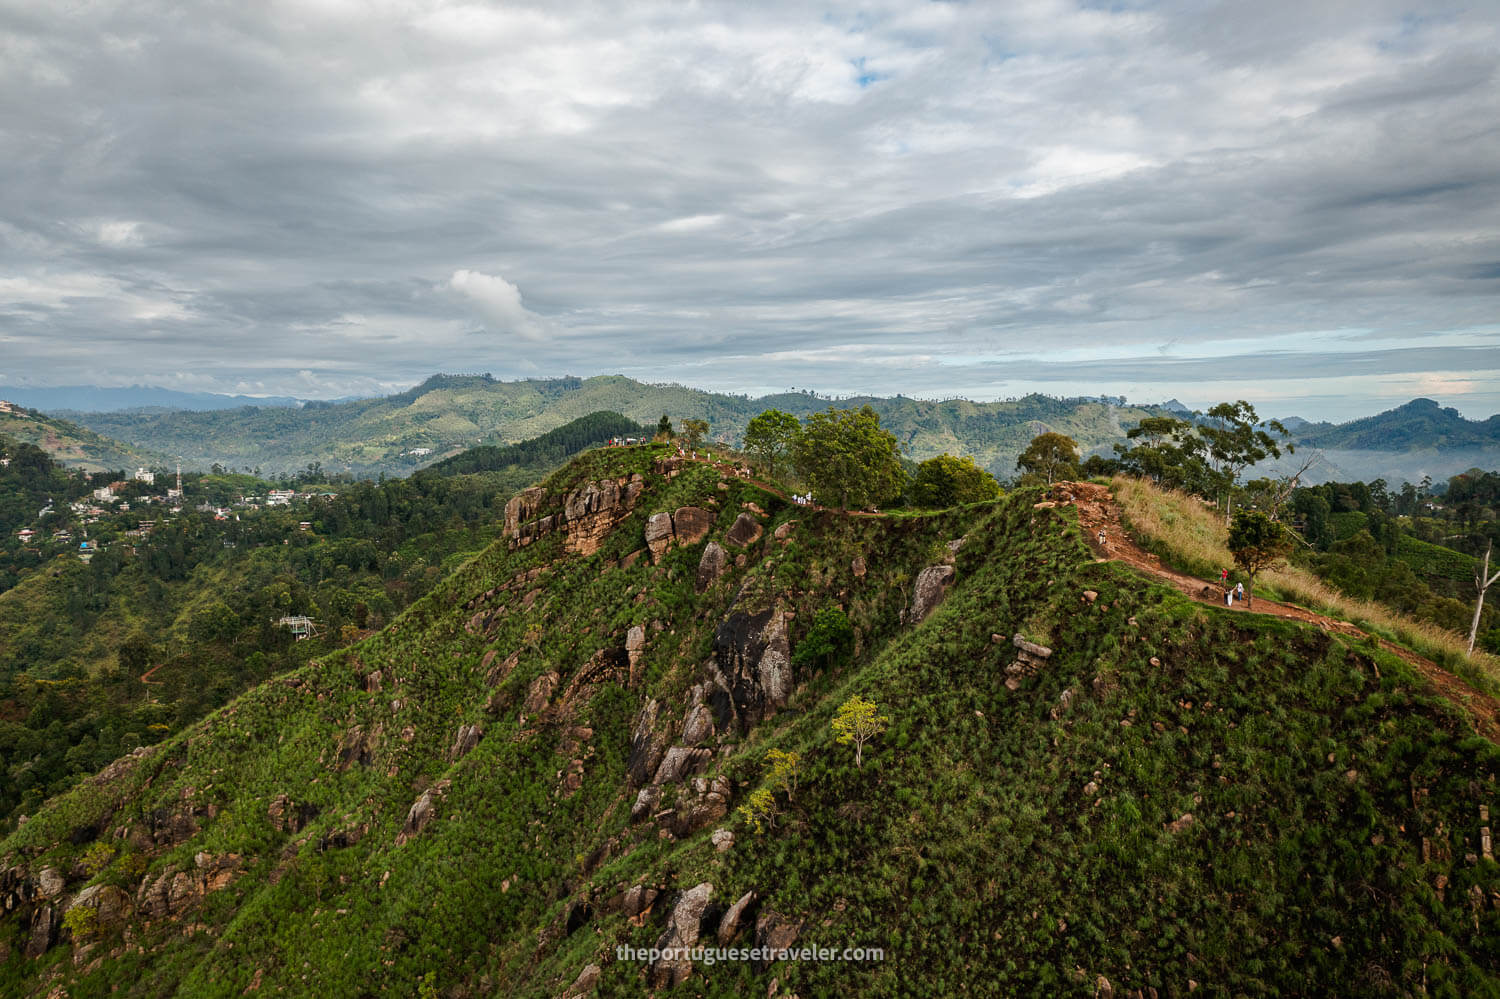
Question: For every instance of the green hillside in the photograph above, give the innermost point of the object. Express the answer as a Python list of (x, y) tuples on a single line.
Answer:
[(74, 445), (447, 414), (1088, 784)]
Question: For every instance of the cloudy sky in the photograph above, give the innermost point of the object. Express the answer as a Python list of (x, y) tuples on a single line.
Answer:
[(1292, 202)]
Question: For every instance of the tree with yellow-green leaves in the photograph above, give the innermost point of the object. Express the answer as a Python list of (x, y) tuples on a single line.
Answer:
[(857, 722)]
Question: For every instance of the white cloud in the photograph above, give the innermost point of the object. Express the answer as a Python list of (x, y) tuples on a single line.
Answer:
[(498, 303)]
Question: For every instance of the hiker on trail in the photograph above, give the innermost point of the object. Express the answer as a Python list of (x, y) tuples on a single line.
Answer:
[(1228, 598), (1224, 577), (1239, 592), (1101, 536)]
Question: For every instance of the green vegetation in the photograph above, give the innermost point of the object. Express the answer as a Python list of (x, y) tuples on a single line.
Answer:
[(770, 437), (947, 481), (71, 444), (1178, 798), (528, 459), (166, 623), (1049, 457), (848, 460), (1257, 543), (451, 413)]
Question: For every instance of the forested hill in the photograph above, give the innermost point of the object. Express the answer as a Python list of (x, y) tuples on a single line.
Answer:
[(666, 707), (1420, 424), (447, 414)]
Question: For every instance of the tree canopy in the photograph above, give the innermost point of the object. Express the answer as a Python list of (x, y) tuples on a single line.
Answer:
[(1257, 542), (771, 436), (844, 455), (1051, 456), (947, 481)]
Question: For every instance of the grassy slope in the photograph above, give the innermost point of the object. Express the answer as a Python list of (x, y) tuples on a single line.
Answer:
[(73, 445), (448, 411), (1192, 537), (966, 846)]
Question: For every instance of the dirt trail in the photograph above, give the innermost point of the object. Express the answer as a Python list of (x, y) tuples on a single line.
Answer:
[(1097, 512)]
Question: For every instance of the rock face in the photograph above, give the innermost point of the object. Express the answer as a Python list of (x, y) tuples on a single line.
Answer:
[(588, 513), (539, 693), (659, 535), (1030, 657), (711, 566), (753, 671), (684, 926), (691, 524), (688, 525), (932, 586), (680, 762), (44, 926), (734, 918), (774, 931), (745, 532), (111, 905), (647, 746), (467, 738), (422, 811), (698, 727), (857, 566), (286, 816), (704, 803)]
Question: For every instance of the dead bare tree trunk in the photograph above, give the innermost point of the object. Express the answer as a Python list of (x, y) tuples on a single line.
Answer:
[(1482, 582)]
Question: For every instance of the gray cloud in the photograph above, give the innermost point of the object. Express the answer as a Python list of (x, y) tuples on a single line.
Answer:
[(321, 199)]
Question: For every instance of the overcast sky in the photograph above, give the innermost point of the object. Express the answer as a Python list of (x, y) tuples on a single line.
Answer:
[(1296, 203)]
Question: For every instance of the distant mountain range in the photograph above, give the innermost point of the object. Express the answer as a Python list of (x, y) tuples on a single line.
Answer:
[(93, 399), (447, 414)]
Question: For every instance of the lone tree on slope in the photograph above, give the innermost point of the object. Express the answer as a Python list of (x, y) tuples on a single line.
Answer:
[(1051, 456), (1257, 543)]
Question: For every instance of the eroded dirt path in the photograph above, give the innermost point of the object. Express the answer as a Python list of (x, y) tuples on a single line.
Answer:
[(1097, 512)]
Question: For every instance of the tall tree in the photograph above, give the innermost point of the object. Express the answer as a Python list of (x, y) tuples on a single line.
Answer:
[(947, 481), (1051, 455), (694, 431), (1257, 542), (664, 427), (771, 436), (844, 454), (1237, 439)]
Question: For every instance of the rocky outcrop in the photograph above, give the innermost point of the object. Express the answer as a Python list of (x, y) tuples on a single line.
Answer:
[(752, 668), (588, 513), (711, 566), (774, 931), (688, 525), (174, 891), (684, 926), (645, 803), (691, 524), (745, 532), (932, 586), (698, 726), (704, 803), (586, 981), (45, 923), (110, 905), (288, 817), (539, 693), (680, 762), (422, 811), (1030, 657), (522, 507), (467, 738), (647, 746), (734, 918)]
